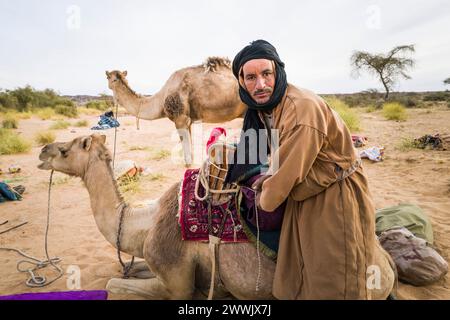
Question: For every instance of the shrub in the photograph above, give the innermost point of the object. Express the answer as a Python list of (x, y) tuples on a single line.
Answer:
[(12, 143), (406, 144), (68, 111), (10, 122), (81, 123), (371, 108), (349, 116), (437, 96), (101, 105), (23, 99), (44, 137), (60, 124), (90, 112), (394, 111), (45, 113)]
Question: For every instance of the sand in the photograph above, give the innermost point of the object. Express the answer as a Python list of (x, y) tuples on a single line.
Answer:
[(415, 176)]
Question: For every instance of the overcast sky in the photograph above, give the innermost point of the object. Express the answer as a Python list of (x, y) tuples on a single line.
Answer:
[(68, 45)]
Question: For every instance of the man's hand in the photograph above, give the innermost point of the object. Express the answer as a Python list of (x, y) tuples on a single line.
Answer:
[(257, 186)]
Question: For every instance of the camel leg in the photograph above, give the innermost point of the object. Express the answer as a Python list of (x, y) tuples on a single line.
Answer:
[(150, 288), (176, 283), (183, 125), (140, 270)]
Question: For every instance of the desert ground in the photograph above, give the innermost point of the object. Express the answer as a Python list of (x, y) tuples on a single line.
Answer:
[(407, 175)]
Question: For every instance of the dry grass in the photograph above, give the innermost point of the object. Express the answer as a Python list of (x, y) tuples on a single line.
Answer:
[(59, 125), (10, 122), (160, 154), (394, 111), (139, 148), (44, 137), (81, 123), (156, 177), (89, 112), (349, 116), (129, 186), (12, 143), (45, 113), (406, 144)]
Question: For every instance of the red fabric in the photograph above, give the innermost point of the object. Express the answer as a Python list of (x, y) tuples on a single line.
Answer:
[(214, 136), (194, 215)]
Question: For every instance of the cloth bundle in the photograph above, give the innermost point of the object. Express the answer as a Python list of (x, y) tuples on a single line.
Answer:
[(107, 121)]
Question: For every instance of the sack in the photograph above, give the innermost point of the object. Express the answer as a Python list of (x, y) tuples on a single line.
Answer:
[(405, 215), (267, 221), (417, 263)]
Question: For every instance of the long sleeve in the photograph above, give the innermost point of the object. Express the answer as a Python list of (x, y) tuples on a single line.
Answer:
[(296, 154)]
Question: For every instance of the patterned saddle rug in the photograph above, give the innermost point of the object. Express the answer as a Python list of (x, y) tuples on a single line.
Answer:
[(193, 215)]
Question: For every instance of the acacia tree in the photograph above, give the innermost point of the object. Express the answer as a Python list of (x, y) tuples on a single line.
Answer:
[(387, 67), (447, 81)]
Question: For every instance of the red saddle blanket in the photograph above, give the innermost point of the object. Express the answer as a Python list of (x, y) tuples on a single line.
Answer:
[(193, 215)]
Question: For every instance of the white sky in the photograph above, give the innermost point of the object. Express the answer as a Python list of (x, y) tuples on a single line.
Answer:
[(47, 44)]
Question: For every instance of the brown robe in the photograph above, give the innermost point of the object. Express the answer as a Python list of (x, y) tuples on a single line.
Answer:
[(328, 233)]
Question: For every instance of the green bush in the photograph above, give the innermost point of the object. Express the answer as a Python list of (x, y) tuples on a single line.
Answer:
[(24, 99), (101, 105), (68, 111), (437, 96), (394, 111), (12, 143), (349, 116)]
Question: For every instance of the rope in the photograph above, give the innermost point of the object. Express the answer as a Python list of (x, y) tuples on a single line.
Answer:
[(115, 136), (203, 180), (125, 269), (12, 228), (36, 280), (258, 278)]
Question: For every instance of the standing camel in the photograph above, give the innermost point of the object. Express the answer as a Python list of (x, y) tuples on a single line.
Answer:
[(207, 92), (179, 267)]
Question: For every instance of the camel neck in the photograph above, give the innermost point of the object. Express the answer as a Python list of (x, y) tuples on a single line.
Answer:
[(106, 204), (144, 107)]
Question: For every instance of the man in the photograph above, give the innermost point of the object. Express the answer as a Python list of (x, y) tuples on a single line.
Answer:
[(327, 237)]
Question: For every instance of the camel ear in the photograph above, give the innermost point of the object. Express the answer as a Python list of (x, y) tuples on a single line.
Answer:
[(125, 73), (86, 143), (99, 137), (107, 74), (102, 138)]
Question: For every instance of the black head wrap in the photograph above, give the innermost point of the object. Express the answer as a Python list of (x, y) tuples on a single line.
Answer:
[(259, 49)]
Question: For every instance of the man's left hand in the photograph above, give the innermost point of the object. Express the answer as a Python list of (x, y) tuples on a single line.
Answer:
[(257, 186)]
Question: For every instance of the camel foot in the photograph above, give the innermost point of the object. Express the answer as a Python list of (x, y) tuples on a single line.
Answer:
[(148, 288)]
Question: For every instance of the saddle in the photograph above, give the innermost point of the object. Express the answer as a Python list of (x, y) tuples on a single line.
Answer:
[(209, 207)]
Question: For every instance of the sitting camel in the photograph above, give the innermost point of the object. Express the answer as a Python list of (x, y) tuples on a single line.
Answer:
[(179, 267), (207, 92)]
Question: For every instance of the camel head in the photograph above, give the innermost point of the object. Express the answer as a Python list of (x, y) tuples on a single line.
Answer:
[(73, 157), (114, 76)]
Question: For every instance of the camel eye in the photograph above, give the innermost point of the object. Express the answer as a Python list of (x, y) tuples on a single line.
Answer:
[(63, 152)]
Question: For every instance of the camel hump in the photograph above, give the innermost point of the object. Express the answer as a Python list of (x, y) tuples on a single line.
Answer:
[(212, 63)]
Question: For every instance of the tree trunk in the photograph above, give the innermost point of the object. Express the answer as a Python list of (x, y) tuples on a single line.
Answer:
[(386, 96)]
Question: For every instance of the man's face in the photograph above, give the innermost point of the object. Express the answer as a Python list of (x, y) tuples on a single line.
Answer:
[(259, 79)]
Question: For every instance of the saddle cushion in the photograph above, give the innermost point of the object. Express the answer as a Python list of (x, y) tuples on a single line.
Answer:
[(193, 215)]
